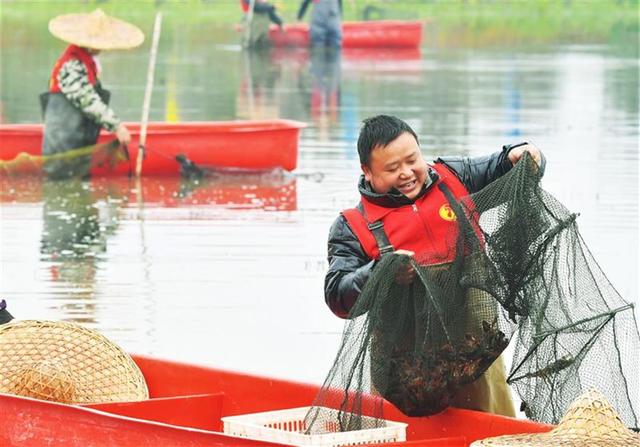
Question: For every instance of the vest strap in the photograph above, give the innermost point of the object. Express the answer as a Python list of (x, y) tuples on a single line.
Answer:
[(377, 228), (466, 227)]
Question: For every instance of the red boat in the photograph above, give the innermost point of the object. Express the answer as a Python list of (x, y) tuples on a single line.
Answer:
[(186, 406), (254, 145), (370, 34)]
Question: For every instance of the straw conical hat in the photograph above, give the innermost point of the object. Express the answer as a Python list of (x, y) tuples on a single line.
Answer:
[(65, 362), (96, 30), (590, 421)]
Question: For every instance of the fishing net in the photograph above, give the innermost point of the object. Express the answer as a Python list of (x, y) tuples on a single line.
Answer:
[(66, 164), (516, 267)]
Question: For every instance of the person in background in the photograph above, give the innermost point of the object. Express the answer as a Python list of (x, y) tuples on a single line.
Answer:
[(257, 35), (326, 23), (76, 107), (261, 7), (395, 177)]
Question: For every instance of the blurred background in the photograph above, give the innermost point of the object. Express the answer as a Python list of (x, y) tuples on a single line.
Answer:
[(230, 273)]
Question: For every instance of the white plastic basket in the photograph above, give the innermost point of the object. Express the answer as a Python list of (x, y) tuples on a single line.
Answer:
[(287, 426)]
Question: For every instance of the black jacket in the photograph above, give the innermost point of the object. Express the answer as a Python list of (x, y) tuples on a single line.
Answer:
[(349, 265)]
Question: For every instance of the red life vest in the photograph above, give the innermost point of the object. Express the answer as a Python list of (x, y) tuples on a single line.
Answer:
[(427, 227), (78, 53)]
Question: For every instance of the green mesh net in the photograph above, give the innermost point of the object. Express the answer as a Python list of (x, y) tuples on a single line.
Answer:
[(520, 270), (73, 162)]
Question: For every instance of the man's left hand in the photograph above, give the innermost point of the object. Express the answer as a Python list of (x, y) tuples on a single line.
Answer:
[(517, 153)]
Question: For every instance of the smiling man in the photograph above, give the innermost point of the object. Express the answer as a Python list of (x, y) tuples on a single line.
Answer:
[(403, 210)]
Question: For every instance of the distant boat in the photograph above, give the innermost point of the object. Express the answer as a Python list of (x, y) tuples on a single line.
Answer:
[(369, 34), (187, 403), (254, 145)]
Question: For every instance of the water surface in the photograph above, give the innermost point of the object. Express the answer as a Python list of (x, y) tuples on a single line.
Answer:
[(230, 273)]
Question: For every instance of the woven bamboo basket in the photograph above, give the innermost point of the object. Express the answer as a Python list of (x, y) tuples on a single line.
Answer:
[(590, 421), (65, 362)]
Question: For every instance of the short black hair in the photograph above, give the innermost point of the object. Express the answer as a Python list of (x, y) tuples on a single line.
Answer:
[(380, 130)]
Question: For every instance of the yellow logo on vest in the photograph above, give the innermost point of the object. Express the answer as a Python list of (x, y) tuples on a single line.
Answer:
[(447, 213)]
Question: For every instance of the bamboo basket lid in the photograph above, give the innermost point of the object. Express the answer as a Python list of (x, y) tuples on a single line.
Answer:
[(65, 362), (589, 421), (96, 30)]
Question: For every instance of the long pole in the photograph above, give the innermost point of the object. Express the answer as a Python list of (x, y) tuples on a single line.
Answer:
[(249, 78), (247, 31), (147, 93)]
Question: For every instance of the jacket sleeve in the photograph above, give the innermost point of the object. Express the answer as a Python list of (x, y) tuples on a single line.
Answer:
[(477, 172), (75, 86), (349, 268)]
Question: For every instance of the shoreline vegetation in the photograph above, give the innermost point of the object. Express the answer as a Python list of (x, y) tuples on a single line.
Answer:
[(456, 23)]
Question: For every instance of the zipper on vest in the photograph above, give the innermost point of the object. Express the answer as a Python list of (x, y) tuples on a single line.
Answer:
[(425, 225)]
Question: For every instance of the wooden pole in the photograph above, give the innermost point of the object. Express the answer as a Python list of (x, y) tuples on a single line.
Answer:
[(249, 78), (247, 31), (147, 94)]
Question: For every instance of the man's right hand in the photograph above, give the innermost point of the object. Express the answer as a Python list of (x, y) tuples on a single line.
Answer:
[(122, 134), (405, 274)]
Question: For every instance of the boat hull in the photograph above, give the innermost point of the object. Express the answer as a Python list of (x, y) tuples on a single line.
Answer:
[(188, 401), (254, 145), (370, 34)]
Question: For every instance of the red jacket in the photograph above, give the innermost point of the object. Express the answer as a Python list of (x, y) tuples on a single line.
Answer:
[(427, 227), (73, 52)]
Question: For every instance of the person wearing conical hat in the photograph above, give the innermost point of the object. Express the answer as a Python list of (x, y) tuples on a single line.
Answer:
[(76, 107)]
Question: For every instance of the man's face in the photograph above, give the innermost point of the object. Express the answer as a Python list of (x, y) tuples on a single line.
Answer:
[(399, 164)]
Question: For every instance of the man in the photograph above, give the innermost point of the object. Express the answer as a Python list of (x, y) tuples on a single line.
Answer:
[(398, 190)]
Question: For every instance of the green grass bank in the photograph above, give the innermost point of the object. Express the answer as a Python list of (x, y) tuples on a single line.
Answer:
[(448, 22)]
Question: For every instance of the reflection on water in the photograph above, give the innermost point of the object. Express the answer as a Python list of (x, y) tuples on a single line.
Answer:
[(228, 269), (315, 75), (76, 226), (270, 191), (324, 68), (74, 210), (256, 97)]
